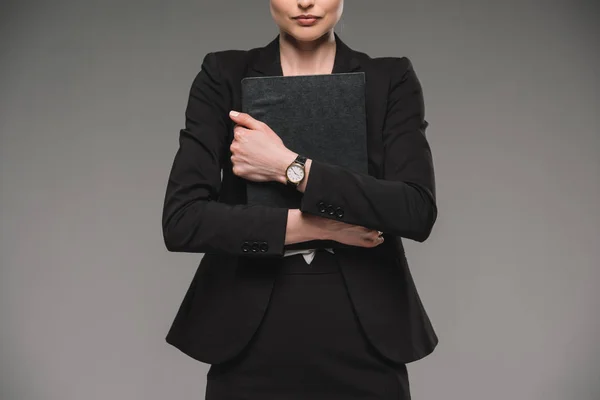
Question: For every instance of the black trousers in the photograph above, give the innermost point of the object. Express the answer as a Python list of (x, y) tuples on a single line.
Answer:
[(309, 345)]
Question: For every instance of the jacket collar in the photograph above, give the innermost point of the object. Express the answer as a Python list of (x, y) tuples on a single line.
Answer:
[(268, 62)]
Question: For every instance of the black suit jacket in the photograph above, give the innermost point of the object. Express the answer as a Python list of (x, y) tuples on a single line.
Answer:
[(243, 244)]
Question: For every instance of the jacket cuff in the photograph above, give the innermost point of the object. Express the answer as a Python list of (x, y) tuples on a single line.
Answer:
[(318, 202), (267, 239)]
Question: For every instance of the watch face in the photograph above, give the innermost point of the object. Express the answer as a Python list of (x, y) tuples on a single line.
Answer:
[(295, 173)]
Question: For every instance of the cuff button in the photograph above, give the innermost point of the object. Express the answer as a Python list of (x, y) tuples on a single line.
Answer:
[(330, 209), (322, 207), (255, 247), (264, 247), (339, 212)]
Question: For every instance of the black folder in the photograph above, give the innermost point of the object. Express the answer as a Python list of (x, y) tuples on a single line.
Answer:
[(322, 117)]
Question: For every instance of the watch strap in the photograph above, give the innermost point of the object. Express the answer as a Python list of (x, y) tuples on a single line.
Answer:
[(300, 159)]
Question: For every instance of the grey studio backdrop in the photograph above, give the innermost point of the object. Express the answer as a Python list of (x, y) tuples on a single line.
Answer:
[(92, 98)]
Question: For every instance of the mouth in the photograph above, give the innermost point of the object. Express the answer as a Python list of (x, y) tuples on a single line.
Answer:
[(306, 16), (306, 19)]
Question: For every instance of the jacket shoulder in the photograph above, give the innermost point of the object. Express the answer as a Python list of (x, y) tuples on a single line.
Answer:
[(394, 66), (233, 61)]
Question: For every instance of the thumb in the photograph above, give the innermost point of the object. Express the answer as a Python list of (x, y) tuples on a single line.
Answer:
[(244, 119)]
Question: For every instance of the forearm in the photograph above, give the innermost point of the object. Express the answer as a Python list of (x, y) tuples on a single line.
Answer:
[(405, 209), (300, 228)]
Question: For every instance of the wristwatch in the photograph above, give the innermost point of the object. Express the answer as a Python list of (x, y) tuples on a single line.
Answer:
[(294, 173)]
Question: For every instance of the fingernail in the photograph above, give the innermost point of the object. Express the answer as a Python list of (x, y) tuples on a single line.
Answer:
[(234, 113)]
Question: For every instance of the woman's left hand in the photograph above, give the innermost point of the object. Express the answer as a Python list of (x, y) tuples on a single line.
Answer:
[(257, 152)]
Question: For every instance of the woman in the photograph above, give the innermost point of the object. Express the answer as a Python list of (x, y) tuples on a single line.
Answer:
[(319, 324)]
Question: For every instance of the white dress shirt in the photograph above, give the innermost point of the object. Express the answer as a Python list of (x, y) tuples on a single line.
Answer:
[(308, 254)]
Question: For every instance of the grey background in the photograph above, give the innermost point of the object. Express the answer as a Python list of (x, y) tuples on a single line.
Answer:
[(92, 96)]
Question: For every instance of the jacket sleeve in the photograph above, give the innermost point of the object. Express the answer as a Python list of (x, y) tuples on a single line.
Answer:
[(193, 220), (403, 202)]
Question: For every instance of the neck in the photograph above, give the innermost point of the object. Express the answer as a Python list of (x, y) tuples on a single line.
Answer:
[(307, 57)]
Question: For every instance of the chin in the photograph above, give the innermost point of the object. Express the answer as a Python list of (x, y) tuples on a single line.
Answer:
[(307, 34)]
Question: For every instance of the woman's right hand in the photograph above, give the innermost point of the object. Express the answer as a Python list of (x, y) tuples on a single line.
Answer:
[(353, 235)]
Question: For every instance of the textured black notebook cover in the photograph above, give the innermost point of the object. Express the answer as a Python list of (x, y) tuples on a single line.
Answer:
[(320, 116)]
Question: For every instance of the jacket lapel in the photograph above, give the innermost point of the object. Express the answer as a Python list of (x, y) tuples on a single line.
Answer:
[(268, 61)]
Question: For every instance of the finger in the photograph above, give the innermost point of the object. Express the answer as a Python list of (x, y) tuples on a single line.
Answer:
[(375, 234), (238, 131), (245, 120), (374, 242), (372, 236), (378, 236)]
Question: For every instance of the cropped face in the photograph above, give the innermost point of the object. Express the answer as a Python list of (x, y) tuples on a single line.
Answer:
[(306, 20)]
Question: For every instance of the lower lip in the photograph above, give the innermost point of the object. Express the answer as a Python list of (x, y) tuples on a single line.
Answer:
[(306, 21)]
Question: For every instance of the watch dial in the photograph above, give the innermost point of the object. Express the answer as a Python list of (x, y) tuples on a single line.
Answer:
[(295, 173)]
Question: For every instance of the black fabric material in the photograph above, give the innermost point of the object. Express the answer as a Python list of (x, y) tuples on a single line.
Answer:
[(309, 345), (205, 210)]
